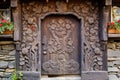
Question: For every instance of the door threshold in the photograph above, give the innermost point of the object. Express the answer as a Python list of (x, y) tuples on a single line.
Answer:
[(71, 77)]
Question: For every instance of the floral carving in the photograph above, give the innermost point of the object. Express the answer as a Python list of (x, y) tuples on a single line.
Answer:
[(60, 43), (59, 35), (61, 66)]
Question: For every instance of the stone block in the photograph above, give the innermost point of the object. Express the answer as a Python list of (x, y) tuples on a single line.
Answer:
[(4, 78), (113, 77), (31, 75), (116, 62), (7, 74), (12, 53), (110, 64), (94, 75), (10, 58), (2, 57), (4, 52), (11, 64), (118, 44), (3, 64), (113, 53), (113, 69), (1, 74), (6, 42), (8, 47), (2, 70), (9, 70), (111, 45)]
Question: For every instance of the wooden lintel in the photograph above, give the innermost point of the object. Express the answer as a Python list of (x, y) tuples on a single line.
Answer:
[(14, 3), (108, 2), (47, 1), (67, 1)]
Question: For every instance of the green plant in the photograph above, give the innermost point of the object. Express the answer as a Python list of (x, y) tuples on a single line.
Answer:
[(115, 25), (17, 75), (6, 25)]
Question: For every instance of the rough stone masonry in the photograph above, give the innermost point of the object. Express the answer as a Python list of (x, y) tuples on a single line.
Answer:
[(7, 59), (114, 60)]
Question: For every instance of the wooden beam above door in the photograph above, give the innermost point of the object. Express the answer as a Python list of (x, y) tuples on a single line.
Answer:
[(108, 2), (14, 3), (65, 0)]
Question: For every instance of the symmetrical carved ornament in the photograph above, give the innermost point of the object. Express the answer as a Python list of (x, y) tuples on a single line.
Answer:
[(92, 51), (60, 46)]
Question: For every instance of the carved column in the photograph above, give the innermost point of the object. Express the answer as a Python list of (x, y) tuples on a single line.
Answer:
[(101, 74), (16, 13)]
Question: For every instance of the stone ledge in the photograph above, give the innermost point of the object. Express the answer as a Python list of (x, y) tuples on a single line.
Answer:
[(6, 42), (95, 75), (31, 75), (62, 78), (113, 59)]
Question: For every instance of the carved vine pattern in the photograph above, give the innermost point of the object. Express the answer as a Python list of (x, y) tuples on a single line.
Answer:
[(84, 9)]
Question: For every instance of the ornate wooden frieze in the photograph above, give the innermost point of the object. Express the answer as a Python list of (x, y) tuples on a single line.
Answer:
[(90, 44), (14, 3)]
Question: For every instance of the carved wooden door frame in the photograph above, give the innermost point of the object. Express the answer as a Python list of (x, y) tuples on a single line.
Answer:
[(64, 14)]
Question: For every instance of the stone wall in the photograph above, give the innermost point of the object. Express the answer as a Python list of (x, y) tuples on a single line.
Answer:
[(114, 60), (7, 59)]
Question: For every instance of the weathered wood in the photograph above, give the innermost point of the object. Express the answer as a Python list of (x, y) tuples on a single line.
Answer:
[(108, 2), (104, 56), (17, 21), (67, 1), (105, 15), (6, 42), (14, 3), (60, 45), (106, 11), (16, 12), (47, 1), (113, 35), (17, 55), (6, 36)]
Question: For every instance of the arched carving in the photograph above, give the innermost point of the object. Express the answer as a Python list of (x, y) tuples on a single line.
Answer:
[(60, 43)]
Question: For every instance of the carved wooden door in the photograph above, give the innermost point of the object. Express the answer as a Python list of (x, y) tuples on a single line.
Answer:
[(60, 45)]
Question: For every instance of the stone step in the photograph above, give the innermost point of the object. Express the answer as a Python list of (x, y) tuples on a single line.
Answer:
[(61, 78)]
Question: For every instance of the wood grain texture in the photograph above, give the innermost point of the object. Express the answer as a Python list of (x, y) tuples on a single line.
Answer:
[(60, 45), (16, 12)]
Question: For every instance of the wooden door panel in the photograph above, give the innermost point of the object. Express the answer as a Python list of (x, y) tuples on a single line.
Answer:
[(60, 45)]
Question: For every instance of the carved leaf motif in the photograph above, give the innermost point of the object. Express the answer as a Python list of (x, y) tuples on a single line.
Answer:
[(88, 56), (61, 66), (61, 6), (61, 46)]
